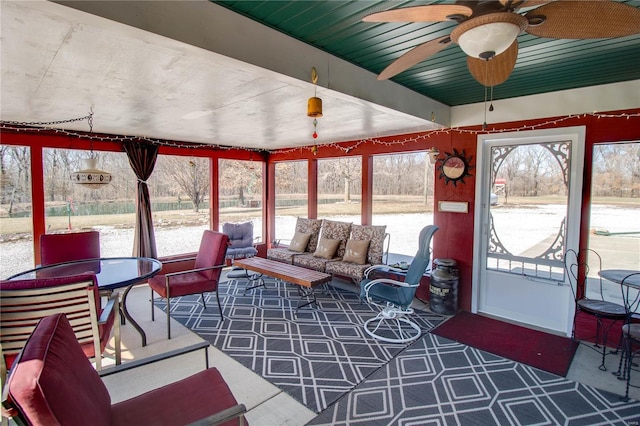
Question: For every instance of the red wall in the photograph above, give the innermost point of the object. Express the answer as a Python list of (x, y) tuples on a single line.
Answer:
[(455, 237)]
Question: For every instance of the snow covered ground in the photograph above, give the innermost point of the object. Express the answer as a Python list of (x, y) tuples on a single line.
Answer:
[(512, 224)]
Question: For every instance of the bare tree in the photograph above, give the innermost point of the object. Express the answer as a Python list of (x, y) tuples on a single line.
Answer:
[(340, 175), (243, 178), (191, 175), (291, 177)]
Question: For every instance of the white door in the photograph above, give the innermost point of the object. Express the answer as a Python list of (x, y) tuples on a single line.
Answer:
[(528, 199)]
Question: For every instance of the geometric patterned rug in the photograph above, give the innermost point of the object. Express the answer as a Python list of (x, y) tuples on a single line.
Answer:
[(316, 358), (437, 381)]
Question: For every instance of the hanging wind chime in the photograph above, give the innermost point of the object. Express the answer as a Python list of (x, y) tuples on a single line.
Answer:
[(314, 106)]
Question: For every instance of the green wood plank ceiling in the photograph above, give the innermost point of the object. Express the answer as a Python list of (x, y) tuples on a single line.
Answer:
[(543, 65)]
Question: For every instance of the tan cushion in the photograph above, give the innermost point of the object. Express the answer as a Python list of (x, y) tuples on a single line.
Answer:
[(311, 226), (336, 230), (326, 248), (356, 251), (374, 233), (299, 241)]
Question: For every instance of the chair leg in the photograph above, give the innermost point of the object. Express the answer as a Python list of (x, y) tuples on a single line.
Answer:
[(605, 339), (168, 318), (220, 308), (391, 317), (203, 302), (152, 310), (117, 335), (628, 364), (168, 293), (623, 353)]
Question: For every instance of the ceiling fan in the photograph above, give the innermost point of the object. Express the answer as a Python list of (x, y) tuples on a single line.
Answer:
[(487, 29)]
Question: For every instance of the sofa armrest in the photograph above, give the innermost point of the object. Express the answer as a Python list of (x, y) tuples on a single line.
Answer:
[(235, 412), (156, 358), (387, 281), (173, 274), (176, 260), (372, 268), (108, 308)]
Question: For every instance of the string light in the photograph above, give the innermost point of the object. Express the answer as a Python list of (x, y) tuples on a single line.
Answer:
[(35, 128), (348, 146), (343, 146)]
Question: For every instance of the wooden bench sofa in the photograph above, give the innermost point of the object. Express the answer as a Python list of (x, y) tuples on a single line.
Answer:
[(333, 247)]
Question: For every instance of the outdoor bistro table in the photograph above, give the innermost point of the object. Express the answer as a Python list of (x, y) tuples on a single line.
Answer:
[(617, 275), (111, 273)]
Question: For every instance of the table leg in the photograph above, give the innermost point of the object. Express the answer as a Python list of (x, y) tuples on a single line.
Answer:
[(309, 294), (251, 280), (128, 316)]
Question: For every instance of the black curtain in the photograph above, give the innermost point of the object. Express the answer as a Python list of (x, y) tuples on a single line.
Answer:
[(142, 157)]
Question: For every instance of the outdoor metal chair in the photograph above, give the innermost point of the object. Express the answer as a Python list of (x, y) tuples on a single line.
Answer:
[(394, 297), (577, 263), (58, 248), (240, 240), (25, 302), (630, 331), (203, 278), (241, 245), (52, 383)]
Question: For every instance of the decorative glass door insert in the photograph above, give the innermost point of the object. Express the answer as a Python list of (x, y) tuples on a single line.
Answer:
[(527, 220)]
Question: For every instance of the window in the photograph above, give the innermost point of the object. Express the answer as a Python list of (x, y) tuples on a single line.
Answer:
[(615, 208), (179, 192), (109, 209), (403, 198), (528, 222), (340, 189), (240, 195), (291, 197), (16, 227)]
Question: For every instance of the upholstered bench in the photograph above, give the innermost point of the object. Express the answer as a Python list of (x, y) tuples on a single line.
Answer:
[(305, 240), (364, 248), (333, 247)]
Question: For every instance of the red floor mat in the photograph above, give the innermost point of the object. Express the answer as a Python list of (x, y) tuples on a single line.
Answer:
[(535, 348)]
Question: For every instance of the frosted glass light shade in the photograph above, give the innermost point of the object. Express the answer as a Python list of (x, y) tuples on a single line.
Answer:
[(488, 40)]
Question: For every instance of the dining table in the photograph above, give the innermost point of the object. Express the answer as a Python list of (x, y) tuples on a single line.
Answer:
[(111, 273)]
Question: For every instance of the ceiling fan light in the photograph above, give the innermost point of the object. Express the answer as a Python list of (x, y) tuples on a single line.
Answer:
[(488, 35), (488, 40)]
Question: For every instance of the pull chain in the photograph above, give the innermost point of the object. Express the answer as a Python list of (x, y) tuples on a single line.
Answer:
[(491, 101), (486, 76)]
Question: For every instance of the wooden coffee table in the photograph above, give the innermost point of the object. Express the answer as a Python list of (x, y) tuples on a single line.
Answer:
[(307, 279)]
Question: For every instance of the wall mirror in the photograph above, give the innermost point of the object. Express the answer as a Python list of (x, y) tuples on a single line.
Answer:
[(455, 167)]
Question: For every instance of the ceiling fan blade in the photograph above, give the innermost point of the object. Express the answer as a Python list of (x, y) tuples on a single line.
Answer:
[(495, 71), (519, 4), (585, 19), (432, 13), (415, 55)]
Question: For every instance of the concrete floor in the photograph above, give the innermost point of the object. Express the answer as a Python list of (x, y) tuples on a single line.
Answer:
[(266, 404)]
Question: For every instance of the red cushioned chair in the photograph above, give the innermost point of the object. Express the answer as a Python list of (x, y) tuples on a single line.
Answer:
[(58, 248), (52, 383), (204, 277), (25, 302)]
